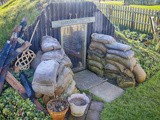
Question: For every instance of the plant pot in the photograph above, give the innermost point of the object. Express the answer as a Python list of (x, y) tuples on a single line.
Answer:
[(78, 104), (59, 113)]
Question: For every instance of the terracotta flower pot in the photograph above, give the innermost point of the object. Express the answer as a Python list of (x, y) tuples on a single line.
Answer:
[(59, 113)]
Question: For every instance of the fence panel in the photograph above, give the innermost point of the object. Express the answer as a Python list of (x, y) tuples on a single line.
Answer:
[(131, 17)]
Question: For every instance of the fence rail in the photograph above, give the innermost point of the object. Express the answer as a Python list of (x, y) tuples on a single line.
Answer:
[(131, 17)]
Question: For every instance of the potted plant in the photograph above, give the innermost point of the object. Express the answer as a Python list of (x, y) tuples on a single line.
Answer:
[(57, 108)]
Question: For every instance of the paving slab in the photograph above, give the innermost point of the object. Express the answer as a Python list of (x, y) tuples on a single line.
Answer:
[(93, 115), (97, 106), (86, 80), (107, 91)]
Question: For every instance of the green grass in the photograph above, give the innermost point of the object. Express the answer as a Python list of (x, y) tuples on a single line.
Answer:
[(153, 7), (113, 3), (11, 14), (140, 103)]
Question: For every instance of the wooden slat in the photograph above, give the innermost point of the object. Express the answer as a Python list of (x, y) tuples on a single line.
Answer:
[(122, 16)]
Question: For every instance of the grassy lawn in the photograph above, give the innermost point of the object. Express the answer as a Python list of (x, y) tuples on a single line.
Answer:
[(140, 103), (153, 7), (113, 3)]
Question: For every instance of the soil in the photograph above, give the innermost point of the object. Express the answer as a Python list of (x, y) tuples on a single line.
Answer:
[(58, 106), (78, 101)]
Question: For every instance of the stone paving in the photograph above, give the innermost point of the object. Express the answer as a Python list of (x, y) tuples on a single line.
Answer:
[(86, 80), (94, 110)]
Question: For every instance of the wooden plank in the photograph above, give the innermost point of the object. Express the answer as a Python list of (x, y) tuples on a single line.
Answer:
[(62, 23), (15, 83), (143, 19), (123, 15), (138, 18), (119, 15), (115, 13), (146, 21), (135, 18)]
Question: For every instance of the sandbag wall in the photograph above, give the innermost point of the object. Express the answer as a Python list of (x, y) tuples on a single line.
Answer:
[(112, 59), (53, 75)]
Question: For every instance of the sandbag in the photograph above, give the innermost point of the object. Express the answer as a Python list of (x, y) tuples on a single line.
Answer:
[(62, 85), (62, 75), (97, 53), (96, 70), (44, 79), (96, 58), (44, 89), (96, 45), (118, 46), (37, 60), (71, 88), (38, 95), (66, 61), (122, 69), (128, 63), (67, 80), (139, 73), (111, 68), (110, 75), (125, 54), (49, 43), (95, 63), (53, 55), (125, 82), (45, 99), (106, 39)]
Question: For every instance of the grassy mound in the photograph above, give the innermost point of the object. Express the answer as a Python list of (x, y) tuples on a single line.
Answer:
[(12, 13)]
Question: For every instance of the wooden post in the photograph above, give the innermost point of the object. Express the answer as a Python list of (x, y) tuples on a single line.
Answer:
[(133, 21)]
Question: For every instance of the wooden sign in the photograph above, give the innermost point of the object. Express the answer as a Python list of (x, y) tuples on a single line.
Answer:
[(69, 22)]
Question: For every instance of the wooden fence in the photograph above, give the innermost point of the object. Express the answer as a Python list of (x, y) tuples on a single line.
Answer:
[(131, 17)]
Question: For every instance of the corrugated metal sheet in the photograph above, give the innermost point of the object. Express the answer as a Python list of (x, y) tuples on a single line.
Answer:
[(68, 10)]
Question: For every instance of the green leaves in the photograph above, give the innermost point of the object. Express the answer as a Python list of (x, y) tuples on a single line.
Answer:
[(146, 56), (12, 106), (135, 35)]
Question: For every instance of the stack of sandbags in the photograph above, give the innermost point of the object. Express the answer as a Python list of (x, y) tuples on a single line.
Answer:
[(53, 75), (97, 52), (120, 62)]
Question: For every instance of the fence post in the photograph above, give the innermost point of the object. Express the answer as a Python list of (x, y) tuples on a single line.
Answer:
[(133, 21)]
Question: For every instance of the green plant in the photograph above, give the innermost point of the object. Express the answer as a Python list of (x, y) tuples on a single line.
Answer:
[(12, 13), (12, 106), (148, 58)]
